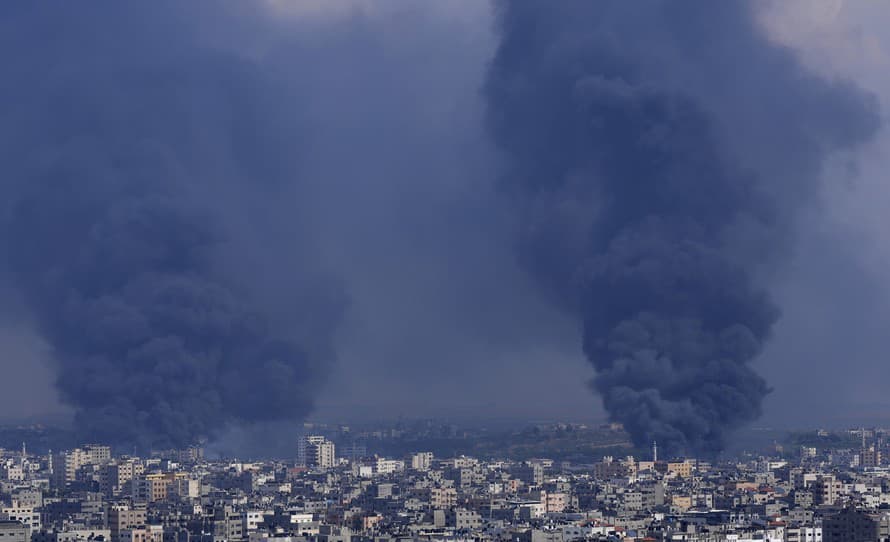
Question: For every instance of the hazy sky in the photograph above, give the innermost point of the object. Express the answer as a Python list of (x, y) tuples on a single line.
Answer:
[(828, 361), (440, 319)]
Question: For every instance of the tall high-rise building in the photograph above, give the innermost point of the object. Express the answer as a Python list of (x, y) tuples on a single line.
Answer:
[(316, 451), (115, 476), (96, 454), (869, 457), (422, 461), (66, 464), (826, 489)]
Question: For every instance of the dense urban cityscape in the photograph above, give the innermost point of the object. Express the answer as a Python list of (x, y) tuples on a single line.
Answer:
[(444, 271), (818, 486)]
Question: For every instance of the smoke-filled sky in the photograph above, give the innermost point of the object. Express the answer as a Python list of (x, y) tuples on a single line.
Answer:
[(338, 159), (659, 182)]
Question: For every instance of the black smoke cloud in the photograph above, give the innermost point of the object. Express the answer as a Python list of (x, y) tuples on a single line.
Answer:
[(659, 154), (259, 154), (240, 159), (140, 224)]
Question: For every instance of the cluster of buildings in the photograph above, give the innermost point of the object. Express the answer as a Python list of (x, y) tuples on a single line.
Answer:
[(90, 494)]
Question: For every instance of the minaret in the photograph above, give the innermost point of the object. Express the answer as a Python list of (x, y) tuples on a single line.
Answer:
[(654, 452), (24, 454)]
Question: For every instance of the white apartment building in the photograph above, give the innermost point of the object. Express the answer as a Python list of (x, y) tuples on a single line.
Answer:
[(422, 461), (316, 451)]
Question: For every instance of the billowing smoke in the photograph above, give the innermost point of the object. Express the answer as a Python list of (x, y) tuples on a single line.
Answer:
[(658, 153), (140, 173), (179, 179)]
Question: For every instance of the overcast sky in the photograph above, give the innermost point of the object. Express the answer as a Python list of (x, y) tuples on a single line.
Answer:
[(441, 321), (828, 361)]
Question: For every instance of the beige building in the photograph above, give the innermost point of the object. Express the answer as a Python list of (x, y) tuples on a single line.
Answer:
[(96, 454), (66, 464), (681, 503), (870, 457), (155, 487), (316, 451), (443, 497), (12, 472), (185, 488), (683, 469), (114, 477), (145, 533), (124, 518), (422, 461), (555, 502), (826, 489)]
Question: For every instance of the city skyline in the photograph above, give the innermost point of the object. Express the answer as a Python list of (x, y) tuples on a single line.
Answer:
[(445, 271), (336, 484)]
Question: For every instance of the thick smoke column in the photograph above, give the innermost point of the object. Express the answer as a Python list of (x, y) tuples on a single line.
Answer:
[(658, 152), (129, 150)]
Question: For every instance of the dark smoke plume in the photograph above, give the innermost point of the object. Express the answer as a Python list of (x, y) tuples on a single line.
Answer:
[(659, 152), (138, 168)]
